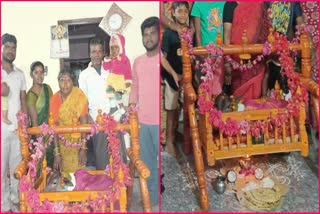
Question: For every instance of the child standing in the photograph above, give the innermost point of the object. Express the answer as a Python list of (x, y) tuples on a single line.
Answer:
[(172, 70), (207, 17), (4, 104), (119, 79), (118, 82)]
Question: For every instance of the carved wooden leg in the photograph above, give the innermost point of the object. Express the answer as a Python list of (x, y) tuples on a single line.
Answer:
[(303, 132), (186, 128), (130, 188), (198, 158), (23, 202), (145, 195)]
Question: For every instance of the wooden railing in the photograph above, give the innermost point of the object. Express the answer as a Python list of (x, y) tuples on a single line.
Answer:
[(133, 153)]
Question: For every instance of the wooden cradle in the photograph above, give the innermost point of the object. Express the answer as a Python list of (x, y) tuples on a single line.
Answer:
[(125, 194), (222, 147)]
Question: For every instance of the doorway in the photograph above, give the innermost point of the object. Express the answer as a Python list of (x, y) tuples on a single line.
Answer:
[(80, 32)]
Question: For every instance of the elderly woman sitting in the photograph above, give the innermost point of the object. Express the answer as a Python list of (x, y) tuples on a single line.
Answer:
[(67, 103)]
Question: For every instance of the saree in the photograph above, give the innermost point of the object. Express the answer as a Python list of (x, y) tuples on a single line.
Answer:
[(248, 16), (75, 105), (41, 103)]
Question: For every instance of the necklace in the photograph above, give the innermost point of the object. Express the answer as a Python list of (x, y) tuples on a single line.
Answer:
[(61, 97)]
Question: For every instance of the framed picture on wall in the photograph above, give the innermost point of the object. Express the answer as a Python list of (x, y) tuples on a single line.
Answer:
[(59, 41), (115, 21)]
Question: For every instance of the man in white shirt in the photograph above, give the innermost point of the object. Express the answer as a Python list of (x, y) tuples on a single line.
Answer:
[(10, 144), (93, 82)]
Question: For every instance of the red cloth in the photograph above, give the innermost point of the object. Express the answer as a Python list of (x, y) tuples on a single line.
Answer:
[(86, 181), (248, 16), (248, 84), (267, 104)]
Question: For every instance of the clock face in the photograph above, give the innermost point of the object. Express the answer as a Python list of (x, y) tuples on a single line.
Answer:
[(258, 173), (115, 21), (232, 176)]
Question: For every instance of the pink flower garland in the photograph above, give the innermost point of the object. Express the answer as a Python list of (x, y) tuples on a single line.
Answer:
[(266, 50), (187, 36), (232, 127), (32, 195)]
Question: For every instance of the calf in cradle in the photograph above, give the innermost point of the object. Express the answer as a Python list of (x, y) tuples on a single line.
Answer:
[(83, 181)]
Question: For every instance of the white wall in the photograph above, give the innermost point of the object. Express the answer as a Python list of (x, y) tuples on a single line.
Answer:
[(30, 22)]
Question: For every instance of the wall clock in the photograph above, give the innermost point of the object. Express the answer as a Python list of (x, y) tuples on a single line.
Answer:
[(115, 20)]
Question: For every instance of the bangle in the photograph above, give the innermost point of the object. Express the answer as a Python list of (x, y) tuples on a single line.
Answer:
[(84, 148), (84, 144), (227, 65), (56, 151)]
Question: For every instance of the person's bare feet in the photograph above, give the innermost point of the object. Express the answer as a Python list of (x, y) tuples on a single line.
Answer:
[(7, 121), (170, 149)]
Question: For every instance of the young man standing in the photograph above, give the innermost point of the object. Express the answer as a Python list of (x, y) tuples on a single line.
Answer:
[(145, 94), (10, 144)]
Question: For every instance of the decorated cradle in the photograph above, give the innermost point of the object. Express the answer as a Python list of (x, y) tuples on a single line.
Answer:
[(83, 201), (280, 129)]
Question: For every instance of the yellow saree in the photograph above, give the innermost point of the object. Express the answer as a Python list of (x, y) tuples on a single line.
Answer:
[(74, 106)]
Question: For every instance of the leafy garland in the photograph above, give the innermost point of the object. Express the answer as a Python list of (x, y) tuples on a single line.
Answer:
[(32, 195), (232, 127)]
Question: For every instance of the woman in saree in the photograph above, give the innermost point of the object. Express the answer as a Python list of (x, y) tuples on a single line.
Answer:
[(237, 17), (67, 103), (38, 99)]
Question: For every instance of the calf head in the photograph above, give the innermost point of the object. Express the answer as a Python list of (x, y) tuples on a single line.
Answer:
[(53, 183), (223, 102)]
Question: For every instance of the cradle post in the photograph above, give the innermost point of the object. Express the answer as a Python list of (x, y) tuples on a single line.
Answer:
[(123, 194), (22, 167), (305, 54), (23, 202), (51, 119), (271, 38), (134, 148), (111, 169), (189, 105), (44, 174), (219, 39), (302, 128), (134, 127), (284, 134), (99, 118), (145, 195), (187, 77)]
